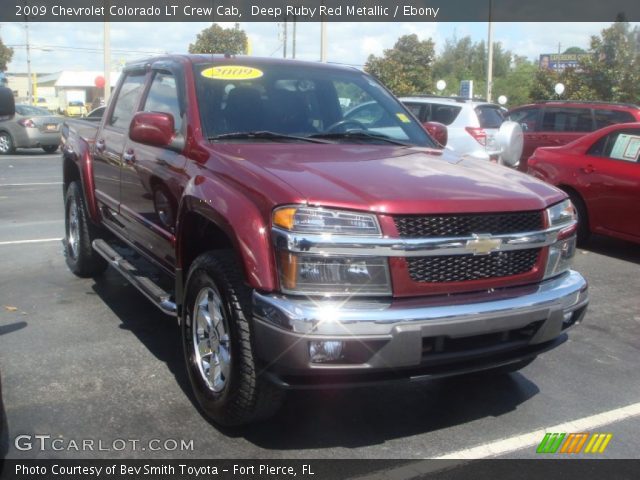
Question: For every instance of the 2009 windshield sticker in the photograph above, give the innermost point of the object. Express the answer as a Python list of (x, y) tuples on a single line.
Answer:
[(232, 72), (403, 118)]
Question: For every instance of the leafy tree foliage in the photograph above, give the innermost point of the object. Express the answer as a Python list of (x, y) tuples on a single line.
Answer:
[(614, 68), (216, 39), (6, 53), (407, 67)]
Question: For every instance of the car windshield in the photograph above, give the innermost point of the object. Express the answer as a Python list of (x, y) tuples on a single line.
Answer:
[(29, 110), (76, 103), (294, 101)]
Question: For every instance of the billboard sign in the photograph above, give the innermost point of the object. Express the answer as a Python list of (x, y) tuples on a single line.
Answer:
[(560, 61)]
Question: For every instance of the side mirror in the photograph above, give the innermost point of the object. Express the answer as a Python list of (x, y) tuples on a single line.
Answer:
[(438, 131), (7, 103), (152, 128)]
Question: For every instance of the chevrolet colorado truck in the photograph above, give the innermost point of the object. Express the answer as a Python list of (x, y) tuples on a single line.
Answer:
[(302, 249)]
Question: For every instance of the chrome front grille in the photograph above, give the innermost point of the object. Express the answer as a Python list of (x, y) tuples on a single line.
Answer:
[(425, 226), (460, 268)]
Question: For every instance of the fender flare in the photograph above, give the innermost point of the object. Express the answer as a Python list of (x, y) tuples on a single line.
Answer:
[(239, 218)]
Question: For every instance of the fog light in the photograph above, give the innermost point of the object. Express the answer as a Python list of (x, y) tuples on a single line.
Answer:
[(325, 351)]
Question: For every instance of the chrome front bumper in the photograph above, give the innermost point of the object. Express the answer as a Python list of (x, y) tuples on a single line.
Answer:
[(284, 325)]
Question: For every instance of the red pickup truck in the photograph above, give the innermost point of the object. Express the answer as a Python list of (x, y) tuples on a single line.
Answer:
[(302, 249)]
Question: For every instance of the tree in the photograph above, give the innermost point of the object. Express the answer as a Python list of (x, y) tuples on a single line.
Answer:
[(516, 84), (613, 70), (407, 67), (576, 86), (6, 53), (461, 59), (575, 50), (216, 39)]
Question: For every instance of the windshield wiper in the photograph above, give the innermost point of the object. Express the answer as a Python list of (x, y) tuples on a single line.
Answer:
[(263, 134), (358, 134)]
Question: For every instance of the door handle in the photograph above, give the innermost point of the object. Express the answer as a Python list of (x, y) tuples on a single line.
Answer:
[(100, 145), (588, 169), (129, 157)]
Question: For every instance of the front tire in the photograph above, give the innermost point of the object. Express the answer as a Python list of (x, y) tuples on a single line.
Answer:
[(7, 147), (50, 148), (217, 344), (81, 258), (584, 231)]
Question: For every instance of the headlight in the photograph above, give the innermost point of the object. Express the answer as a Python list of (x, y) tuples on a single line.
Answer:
[(323, 275), (561, 213), (330, 275), (325, 221), (562, 251)]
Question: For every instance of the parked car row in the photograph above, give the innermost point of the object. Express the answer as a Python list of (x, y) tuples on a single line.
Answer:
[(550, 140)]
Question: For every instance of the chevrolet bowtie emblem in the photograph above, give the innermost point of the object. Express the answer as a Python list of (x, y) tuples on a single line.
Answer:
[(483, 244)]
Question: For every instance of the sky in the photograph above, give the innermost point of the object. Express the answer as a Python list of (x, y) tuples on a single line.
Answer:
[(78, 46)]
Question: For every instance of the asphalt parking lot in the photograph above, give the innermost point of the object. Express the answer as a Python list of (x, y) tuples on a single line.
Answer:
[(93, 359)]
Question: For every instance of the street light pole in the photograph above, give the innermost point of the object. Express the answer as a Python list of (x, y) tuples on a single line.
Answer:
[(29, 79), (490, 57)]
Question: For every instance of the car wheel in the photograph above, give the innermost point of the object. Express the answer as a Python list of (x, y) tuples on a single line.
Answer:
[(217, 344), (583, 218), (50, 148), (7, 146), (81, 258)]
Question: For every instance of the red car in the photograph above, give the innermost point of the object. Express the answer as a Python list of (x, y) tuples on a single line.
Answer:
[(554, 123), (601, 174)]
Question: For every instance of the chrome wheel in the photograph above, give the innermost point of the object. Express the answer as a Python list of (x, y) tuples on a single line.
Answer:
[(211, 342), (73, 228), (5, 143)]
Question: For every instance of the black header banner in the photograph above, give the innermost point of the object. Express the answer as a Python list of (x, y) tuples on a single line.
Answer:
[(319, 10)]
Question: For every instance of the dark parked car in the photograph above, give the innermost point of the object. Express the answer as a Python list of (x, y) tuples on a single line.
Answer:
[(32, 127), (555, 123), (601, 174)]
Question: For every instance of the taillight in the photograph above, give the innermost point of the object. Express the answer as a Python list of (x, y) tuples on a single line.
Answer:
[(479, 134), (27, 122)]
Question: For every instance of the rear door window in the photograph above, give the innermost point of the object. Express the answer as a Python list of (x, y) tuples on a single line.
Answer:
[(605, 117), (445, 114), (417, 110), (564, 119), (619, 145), (526, 117), (489, 116)]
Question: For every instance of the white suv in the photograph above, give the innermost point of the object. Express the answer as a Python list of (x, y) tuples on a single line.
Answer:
[(475, 129)]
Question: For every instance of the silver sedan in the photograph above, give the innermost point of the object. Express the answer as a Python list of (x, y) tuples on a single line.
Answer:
[(31, 127)]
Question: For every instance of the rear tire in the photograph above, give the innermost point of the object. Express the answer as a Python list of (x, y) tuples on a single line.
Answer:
[(81, 258), (50, 148), (7, 147), (217, 344)]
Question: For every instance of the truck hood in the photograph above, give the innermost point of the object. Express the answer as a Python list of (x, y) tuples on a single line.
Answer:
[(390, 179)]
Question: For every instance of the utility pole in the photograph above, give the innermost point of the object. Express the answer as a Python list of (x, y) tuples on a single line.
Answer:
[(490, 57), (29, 79), (323, 41), (284, 50), (293, 46)]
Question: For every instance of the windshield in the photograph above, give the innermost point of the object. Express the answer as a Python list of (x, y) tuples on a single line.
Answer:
[(300, 101)]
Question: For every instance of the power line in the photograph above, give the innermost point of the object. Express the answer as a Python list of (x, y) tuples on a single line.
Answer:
[(87, 49)]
